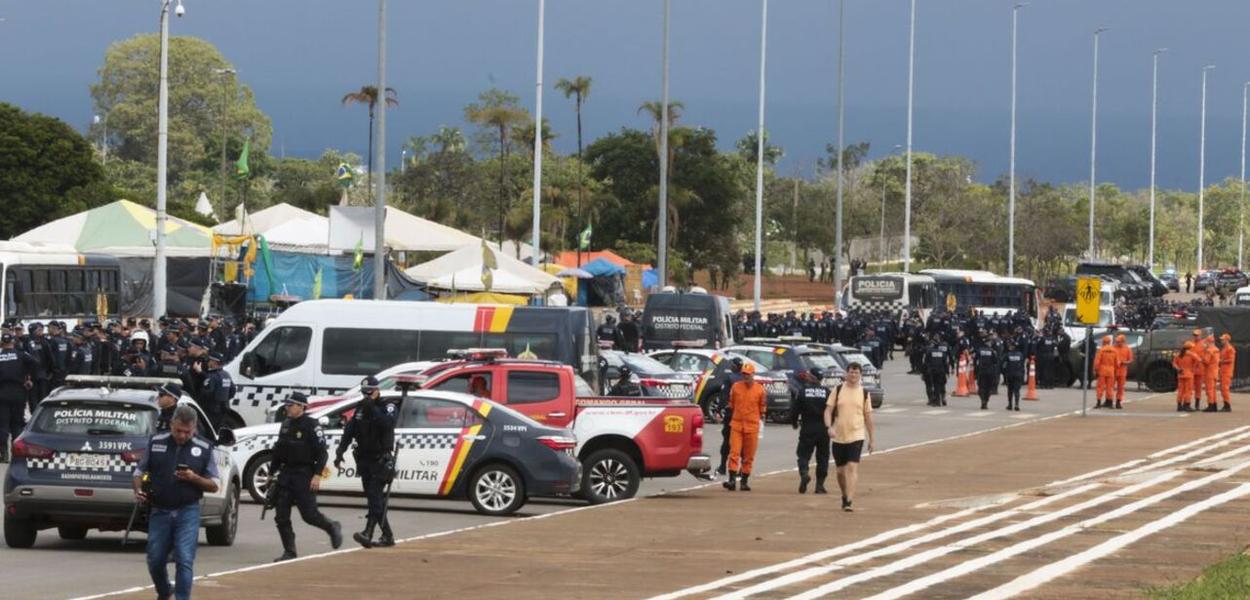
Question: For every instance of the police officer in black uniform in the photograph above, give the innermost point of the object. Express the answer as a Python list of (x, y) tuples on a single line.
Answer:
[(59, 348), (987, 366), (166, 401), (936, 366), (609, 333), (15, 375), (372, 427), (809, 419), (215, 393), (81, 358), (1013, 374), (299, 457), (41, 360)]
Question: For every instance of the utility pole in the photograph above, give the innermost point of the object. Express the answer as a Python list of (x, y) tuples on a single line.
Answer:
[(1093, 146), (538, 141), (759, 161), (379, 205), (1154, 119), (837, 237), (662, 253), (911, 80)]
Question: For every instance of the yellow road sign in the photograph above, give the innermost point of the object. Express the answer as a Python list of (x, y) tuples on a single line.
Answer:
[(1088, 296)]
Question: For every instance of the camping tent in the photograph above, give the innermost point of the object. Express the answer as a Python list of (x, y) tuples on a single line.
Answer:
[(608, 286), (468, 259), (484, 298), (408, 232), (568, 258), (121, 228), (262, 221), (310, 276)]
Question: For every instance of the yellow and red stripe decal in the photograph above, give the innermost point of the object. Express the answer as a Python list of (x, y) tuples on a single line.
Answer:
[(464, 443), (492, 319)]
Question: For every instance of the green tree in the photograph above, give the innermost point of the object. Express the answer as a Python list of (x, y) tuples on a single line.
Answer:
[(308, 184), (368, 96), (524, 135), (47, 171), (497, 112), (748, 147)]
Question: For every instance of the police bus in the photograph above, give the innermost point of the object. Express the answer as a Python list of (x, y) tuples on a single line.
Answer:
[(985, 292), (57, 283), (892, 292)]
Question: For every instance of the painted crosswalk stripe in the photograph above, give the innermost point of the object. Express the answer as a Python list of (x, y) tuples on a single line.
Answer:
[(894, 409), (940, 411)]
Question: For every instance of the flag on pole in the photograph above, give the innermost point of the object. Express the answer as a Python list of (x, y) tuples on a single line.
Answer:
[(316, 289), (241, 171), (488, 263), (583, 239), (359, 261)]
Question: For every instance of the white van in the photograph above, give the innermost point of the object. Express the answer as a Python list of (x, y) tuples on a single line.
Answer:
[(324, 347)]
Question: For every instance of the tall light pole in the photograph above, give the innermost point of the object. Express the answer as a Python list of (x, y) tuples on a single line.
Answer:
[(538, 139), (881, 238), (1154, 113), (225, 118), (379, 205), (662, 254), (837, 237), (911, 79), (162, 159), (1093, 145), (1202, 160), (104, 136), (1011, 186), (1241, 204), (759, 159)]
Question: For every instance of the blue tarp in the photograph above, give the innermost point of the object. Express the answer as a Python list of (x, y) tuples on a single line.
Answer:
[(295, 274), (650, 279), (599, 267)]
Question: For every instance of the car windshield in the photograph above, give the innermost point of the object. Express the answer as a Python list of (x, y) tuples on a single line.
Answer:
[(818, 360), (94, 418), (857, 357), (645, 365)]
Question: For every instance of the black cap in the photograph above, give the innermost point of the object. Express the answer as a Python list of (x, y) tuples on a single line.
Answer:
[(199, 342), (35, 325), (78, 332), (297, 398), (216, 356), (170, 389), (6, 338), (369, 383)]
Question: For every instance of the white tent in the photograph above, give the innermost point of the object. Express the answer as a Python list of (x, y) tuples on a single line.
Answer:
[(408, 232), (264, 220), (466, 264), (307, 234)]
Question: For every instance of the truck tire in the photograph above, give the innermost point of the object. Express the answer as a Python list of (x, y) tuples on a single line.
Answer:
[(255, 476), (19, 533), (72, 532), (496, 490), (223, 534), (1161, 378), (609, 475)]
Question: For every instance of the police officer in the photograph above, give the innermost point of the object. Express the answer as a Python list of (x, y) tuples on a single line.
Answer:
[(809, 419), (299, 458), (372, 427), (936, 367), (608, 333), (81, 359), (41, 360), (987, 369), (215, 393), (15, 380), (166, 401), (1013, 374), (59, 348)]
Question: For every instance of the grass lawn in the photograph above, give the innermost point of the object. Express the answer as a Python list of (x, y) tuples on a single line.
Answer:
[(1229, 578)]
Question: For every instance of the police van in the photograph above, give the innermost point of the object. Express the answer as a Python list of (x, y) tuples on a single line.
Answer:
[(324, 347)]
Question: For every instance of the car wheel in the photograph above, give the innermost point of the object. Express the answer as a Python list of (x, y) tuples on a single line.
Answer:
[(1161, 379), (609, 475), (19, 533), (256, 477), (497, 490), (223, 534), (71, 532)]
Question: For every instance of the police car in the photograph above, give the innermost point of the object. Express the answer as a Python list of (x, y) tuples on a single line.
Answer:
[(450, 445), (73, 466)]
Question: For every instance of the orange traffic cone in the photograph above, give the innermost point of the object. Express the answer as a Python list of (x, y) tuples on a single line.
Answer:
[(972, 378), (961, 377), (1031, 393)]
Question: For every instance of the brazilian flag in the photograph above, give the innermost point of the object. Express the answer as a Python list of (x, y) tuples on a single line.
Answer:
[(583, 238), (359, 261), (241, 171)]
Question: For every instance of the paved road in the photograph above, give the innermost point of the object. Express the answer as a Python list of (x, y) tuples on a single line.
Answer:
[(100, 565)]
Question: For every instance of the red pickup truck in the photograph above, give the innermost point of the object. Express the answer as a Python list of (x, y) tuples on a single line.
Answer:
[(620, 440)]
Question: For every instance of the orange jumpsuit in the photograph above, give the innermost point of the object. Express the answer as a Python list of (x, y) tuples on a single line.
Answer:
[(1211, 372), (1200, 353), (749, 405), (1105, 365), (1183, 363), (1195, 367), (1228, 361), (1121, 373)]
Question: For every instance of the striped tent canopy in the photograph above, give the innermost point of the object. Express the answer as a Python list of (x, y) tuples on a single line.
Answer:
[(121, 228)]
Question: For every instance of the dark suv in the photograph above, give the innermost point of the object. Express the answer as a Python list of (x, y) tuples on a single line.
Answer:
[(791, 356), (1130, 283), (1158, 288)]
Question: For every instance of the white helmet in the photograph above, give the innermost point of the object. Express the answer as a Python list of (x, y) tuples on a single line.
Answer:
[(139, 335)]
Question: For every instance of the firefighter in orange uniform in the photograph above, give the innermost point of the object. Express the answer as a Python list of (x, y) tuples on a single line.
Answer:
[(1199, 349), (1121, 373), (1228, 363), (1210, 373), (1183, 363), (1106, 362), (748, 402)]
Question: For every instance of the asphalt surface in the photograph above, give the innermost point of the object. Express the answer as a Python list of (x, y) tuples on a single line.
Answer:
[(100, 565)]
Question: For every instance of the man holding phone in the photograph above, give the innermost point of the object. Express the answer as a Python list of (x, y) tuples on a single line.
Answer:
[(180, 468)]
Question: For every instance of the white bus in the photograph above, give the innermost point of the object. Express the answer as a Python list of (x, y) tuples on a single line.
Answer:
[(893, 292), (985, 292), (42, 284)]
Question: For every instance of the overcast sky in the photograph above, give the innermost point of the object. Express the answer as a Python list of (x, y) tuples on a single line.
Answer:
[(301, 56)]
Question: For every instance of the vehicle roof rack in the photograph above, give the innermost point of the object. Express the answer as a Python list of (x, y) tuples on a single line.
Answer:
[(118, 382)]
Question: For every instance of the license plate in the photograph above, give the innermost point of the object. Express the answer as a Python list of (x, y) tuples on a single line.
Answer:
[(87, 461)]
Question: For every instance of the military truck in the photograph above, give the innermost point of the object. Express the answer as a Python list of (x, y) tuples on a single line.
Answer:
[(1152, 354)]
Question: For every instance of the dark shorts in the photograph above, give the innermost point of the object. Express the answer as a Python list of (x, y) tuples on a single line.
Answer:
[(845, 453)]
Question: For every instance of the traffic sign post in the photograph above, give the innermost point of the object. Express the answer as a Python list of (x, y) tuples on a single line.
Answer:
[(1088, 303)]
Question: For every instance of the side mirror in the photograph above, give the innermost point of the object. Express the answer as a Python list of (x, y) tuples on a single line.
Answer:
[(225, 437), (323, 421), (247, 365)]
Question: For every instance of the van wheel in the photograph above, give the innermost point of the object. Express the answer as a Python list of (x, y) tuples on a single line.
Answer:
[(223, 534), (256, 477), (1161, 379), (497, 490), (72, 532), (609, 475), (19, 533)]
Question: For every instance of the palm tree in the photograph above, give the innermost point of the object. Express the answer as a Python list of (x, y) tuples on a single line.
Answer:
[(654, 109), (579, 90), (748, 148), (524, 134), (368, 95), (448, 139), (503, 118)]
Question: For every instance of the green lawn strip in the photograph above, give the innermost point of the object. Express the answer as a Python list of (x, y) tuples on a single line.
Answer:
[(1227, 579)]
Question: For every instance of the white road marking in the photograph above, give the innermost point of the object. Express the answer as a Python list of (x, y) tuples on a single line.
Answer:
[(1190, 454), (1040, 576), (1024, 416), (1092, 474), (977, 564), (923, 557), (939, 411), (1197, 442), (980, 414), (892, 409)]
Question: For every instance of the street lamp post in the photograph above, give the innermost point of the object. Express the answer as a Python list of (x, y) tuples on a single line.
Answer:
[(1241, 204), (881, 238), (379, 206), (225, 118), (538, 139), (662, 253), (837, 237), (1011, 189), (759, 160), (162, 159), (1093, 145), (1202, 160), (1154, 113), (911, 78)]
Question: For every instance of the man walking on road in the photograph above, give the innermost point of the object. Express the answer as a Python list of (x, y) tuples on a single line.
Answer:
[(1013, 373), (372, 427), (299, 457), (1106, 363), (848, 415), (936, 365), (1228, 363), (748, 402), (987, 368), (808, 418)]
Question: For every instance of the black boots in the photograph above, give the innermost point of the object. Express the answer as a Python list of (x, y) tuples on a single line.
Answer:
[(287, 535), (336, 534), (1227, 407), (804, 479), (386, 540), (365, 538), (286, 555), (820, 486), (745, 487), (1119, 405), (1211, 408), (731, 484)]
